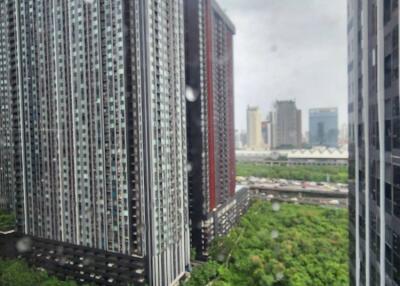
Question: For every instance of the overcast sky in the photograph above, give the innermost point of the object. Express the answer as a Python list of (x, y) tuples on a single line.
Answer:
[(289, 49)]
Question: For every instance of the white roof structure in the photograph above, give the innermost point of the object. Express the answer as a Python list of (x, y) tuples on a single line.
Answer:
[(314, 153)]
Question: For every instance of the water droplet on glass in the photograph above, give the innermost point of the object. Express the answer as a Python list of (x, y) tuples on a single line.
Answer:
[(274, 234), (220, 258), (24, 245), (60, 250), (87, 261), (189, 167), (276, 206), (279, 276), (63, 260), (191, 94)]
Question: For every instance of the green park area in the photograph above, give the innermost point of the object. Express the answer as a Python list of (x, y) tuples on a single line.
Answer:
[(336, 174), (7, 221), (18, 273), (280, 245)]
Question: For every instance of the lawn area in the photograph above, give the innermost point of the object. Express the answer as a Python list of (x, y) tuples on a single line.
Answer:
[(18, 273), (7, 221), (284, 245), (337, 174)]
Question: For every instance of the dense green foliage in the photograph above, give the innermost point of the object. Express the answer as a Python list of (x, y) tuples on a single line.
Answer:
[(18, 273), (295, 246), (7, 221), (337, 174)]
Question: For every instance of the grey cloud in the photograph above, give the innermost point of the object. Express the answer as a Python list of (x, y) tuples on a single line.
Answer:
[(289, 49)]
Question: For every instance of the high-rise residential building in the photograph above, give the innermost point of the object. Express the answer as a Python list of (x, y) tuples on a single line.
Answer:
[(374, 142), (323, 127), (254, 135), (10, 168), (94, 123), (210, 113), (286, 125)]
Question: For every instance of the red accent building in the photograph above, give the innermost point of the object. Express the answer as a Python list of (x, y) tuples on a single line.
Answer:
[(210, 115)]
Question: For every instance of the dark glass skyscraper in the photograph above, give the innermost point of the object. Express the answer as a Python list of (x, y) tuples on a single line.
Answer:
[(93, 136), (324, 127), (210, 112), (374, 142)]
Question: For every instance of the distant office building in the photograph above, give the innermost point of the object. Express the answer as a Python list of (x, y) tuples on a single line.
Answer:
[(254, 136), (266, 132), (374, 142), (323, 127), (238, 141), (343, 135), (210, 117), (243, 138), (93, 120), (286, 125)]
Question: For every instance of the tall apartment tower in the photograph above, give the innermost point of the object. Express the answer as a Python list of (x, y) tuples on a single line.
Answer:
[(323, 127), (374, 142), (92, 98), (210, 115), (286, 125), (10, 157), (254, 128)]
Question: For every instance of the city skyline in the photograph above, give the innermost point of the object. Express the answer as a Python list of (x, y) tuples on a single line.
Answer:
[(118, 126), (276, 60)]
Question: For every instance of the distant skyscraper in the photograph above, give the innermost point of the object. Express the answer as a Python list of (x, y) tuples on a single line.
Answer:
[(238, 140), (211, 133), (323, 127), (343, 135), (286, 125), (93, 135), (374, 142), (254, 135), (266, 131)]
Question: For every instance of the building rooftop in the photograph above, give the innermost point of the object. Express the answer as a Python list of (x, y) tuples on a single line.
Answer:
[(224, 16)]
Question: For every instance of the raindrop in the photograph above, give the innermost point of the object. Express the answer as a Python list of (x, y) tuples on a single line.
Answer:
[(189, 167), (63, 261), (273, 48), (220, 258), (87, 261), (60, 250), (191, 94), (276, 206), (274, 234), (24, 245), (279, 276)]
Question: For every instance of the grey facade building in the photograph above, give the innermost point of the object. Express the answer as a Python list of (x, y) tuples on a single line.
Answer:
[(374, 142), (286, 125), (323, 127), (93, 134), (10, 173)]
